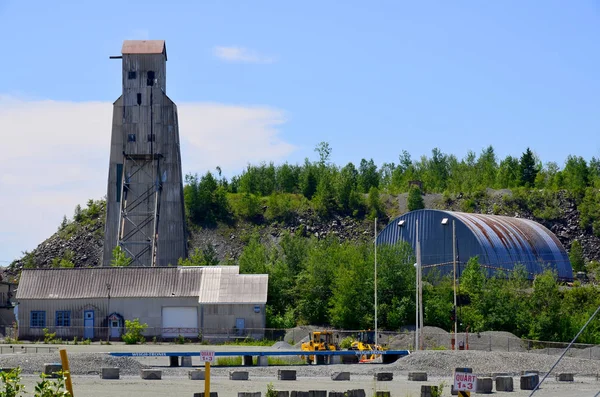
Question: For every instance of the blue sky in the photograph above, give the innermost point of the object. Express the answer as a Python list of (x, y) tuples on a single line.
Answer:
[(268, 80)]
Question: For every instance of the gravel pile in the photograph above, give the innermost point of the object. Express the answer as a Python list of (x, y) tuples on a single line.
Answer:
[(282, 345), (80, 363), (442, 363)]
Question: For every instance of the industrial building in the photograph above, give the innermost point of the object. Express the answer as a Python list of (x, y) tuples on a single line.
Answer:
[(216, 302), (500, 242), (144, 200)]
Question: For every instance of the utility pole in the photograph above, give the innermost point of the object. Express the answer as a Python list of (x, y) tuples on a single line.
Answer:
[(454, 278), (375, 243), (419, 275)]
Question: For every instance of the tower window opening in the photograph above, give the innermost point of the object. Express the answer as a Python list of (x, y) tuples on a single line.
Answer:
[(151, 138), (131, 75), (130, 137), (139, 99), (150, 80)]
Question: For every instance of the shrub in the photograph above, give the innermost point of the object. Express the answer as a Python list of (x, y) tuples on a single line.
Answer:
[(11, 383), (415, 199), (346, 343), (134, 332)]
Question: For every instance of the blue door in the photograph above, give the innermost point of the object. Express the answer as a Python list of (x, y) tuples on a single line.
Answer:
[(240, 324), (88, 324)]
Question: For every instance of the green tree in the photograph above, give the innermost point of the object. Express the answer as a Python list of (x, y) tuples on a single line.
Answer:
[(205, 201), (547, 319), (508, 173), (589, 211), (528, 169), (415, 199), (308, 180), (575, 175), (375, 205), (368, 176), (324, 151), (119, 258), (576, 256)]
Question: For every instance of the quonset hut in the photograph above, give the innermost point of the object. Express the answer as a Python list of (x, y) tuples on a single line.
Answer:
[(500, 242)]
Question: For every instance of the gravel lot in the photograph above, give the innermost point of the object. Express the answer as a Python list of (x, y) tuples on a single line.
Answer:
[(86, 362)]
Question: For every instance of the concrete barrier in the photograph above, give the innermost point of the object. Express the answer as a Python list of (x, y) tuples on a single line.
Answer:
[(530, 372), (529, 381), (286, 374), (385, 376), (335, 360), (504, 383), (497, 374), (484, 385), (238, 375), (186, 361), (429, 391), (263, 361), (417, 376), (109, 373), (356, 393), (52, 369), (317, 393), (247, 361), (151, 374), (340, 376), (282, 393), (565, 377), (336, 394), (248, 394), (173, 361), (196, 374), (212, 394)]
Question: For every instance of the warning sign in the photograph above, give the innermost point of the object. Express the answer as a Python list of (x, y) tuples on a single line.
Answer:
[(464, 381), (464, 394)]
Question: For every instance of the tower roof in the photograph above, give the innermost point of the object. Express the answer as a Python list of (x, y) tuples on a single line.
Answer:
[(144, 47)]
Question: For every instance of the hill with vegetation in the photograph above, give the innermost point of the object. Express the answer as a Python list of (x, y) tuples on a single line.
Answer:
[(310, 227)]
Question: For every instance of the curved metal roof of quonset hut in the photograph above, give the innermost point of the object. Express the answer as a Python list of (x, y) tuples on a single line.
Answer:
[(499, 241)]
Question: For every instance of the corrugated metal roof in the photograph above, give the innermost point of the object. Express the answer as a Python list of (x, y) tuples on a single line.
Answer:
[(499, 241), (213, 284), (144, 47)]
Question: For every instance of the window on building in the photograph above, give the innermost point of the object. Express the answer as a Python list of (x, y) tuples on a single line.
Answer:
[(38, 319), (150, 80), (63, 318), (130, 137), (151, 137), (139, 99), (131, 75)]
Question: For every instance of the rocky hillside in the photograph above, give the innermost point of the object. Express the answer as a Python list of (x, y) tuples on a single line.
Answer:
[(80, 240)]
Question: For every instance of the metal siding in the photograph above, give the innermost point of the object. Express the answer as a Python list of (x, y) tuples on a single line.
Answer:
[(499, 241)]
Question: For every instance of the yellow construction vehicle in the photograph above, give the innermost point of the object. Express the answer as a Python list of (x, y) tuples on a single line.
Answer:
[(319, 341), (365, 341)]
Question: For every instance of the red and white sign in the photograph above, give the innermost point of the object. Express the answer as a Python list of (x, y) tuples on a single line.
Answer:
[(464, 381), (207, 356)]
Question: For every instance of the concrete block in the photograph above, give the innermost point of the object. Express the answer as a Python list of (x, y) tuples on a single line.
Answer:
[(464, 369), (382, 393), (428, 391), (484, 385), (282, 393), (286, 374), (295, 393), (263, 361), (340, 376), (335, 360), (504, 383), (196, 374), (212, 394), (247, 361), (151, 374), (52, 369), (248, 394), (186, 361), (385, 376), (452, 391), (317, 393), (336, 394), (417, 376), (238, 375), (503, 374), (529, 381), (173, 361), (565, 377), (109, 373), (356, 393)]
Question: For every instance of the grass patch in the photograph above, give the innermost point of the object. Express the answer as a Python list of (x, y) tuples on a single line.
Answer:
[(251, 342), (285, 361), (229, 361)]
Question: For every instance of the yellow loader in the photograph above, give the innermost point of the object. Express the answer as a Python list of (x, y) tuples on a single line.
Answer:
[(319, 341)]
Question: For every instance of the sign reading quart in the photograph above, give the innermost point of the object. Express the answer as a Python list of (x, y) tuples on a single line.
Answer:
[(464, 381), (207, 356)]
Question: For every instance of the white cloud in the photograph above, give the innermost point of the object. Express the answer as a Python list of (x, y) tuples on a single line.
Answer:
[(240, 54), (55, 156)]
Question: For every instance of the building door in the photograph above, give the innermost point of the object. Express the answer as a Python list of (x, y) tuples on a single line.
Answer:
[(240, 324), (88, 324), (115, 329), (180, 320)]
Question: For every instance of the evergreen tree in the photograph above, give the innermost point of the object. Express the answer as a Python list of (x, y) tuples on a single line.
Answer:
[(119, 258), (415, 199), (528, 169), (576, 256)]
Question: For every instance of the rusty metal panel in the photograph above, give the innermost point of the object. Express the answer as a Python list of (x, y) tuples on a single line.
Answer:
[(500, 242)]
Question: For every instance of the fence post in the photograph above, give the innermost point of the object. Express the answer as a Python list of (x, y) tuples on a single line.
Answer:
[(490, 342)]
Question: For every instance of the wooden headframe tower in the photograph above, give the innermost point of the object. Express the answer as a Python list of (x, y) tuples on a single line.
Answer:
[(144, 201)]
